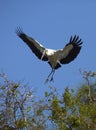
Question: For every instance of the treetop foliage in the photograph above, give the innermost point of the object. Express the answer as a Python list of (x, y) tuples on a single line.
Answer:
[(73, 110)]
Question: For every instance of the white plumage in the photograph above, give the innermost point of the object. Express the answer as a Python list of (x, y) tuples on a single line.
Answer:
[(54, 57)]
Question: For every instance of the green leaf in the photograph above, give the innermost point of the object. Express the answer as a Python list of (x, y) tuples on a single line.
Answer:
[(46, 94), (28, 109)]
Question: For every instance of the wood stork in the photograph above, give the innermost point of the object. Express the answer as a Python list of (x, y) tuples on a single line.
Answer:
[(54, 57)]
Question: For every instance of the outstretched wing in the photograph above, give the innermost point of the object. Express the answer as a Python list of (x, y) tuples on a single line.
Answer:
[(71, 50), (34, 45)]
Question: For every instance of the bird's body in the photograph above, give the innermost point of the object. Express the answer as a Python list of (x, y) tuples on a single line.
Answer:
[(54, 57)]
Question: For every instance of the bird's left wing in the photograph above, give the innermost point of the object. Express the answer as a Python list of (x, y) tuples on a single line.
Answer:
[(71, 50), (34, 45)]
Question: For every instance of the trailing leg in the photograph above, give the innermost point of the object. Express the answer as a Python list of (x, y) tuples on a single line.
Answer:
[(51, 73)]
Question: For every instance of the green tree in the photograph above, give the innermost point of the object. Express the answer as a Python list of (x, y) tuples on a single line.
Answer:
[(73, 110), (18, 110)]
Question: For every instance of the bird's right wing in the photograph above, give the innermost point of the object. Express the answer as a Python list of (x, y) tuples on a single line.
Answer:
[(34, 45), (71, 50)]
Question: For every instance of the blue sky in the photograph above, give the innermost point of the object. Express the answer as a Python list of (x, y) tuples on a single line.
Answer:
[(51, 22)]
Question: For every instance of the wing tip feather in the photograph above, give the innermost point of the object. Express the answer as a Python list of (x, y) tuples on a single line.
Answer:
[(75, 40), (19, 31)]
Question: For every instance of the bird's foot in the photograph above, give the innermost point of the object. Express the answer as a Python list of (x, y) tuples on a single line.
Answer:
[(51, 80), (46, 81)]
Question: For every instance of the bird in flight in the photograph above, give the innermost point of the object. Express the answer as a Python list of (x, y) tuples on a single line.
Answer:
[(54, 57)]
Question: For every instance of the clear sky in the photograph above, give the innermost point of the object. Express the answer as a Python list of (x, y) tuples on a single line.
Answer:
[(51, 22)]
